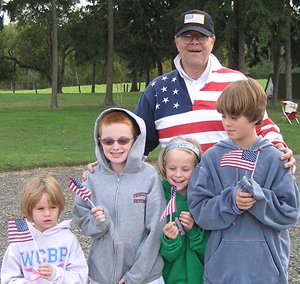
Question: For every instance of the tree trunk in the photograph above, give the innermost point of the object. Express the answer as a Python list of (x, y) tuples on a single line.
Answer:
[(94, 77), (77, 80), (276, 61), (233, 50), (159, 68), (54, 104), (241, 35), (134, 87), (35, 87), (288, 62), (13, 86), (232, 53), (110, 56), (62, 72), (147, 75), (172, 63)]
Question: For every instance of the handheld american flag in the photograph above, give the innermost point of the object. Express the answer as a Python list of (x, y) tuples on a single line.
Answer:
[(80, 190), (171, 206), (243, 159), (18, 231)]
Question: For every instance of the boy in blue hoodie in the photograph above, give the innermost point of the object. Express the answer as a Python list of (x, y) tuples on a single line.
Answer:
[(242, 193)]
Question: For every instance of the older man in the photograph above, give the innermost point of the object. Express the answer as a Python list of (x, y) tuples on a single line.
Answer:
[(182, 102)]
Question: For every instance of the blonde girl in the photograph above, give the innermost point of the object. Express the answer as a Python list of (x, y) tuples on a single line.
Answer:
[(183, 242)]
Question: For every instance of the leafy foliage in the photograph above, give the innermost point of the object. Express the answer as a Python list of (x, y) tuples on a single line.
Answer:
[(252, 30)]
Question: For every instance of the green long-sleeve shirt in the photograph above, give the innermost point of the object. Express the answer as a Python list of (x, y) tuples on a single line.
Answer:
[(184, 256)]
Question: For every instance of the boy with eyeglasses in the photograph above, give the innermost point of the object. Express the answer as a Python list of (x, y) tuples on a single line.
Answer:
[(127, 192)]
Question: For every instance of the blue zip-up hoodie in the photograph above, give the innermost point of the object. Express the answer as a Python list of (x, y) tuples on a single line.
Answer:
[(127, 243), (249, 246)]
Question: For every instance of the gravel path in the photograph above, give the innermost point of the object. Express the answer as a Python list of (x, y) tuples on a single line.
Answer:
[(12, 183)]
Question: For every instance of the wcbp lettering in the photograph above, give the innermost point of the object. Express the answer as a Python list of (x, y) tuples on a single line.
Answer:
[(50, 255)]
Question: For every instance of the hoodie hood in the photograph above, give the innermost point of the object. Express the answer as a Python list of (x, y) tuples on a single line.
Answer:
[(258, 144), (260, 233), (64, 225), (134, 159)]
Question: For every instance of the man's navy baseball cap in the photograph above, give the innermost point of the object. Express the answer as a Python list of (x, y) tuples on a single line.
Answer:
[(195, 20)]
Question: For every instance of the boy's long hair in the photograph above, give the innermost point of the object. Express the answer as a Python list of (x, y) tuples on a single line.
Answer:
[(243, 98)]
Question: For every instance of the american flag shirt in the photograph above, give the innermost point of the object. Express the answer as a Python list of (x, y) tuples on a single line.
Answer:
[(168, 111)]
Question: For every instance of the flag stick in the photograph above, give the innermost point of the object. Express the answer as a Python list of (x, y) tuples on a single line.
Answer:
[(172, 188), (35, 244), (92, 203), (171, 199), (255, 164)]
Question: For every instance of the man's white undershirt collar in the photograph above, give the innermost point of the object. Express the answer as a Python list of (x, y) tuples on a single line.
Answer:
[(193, 85)]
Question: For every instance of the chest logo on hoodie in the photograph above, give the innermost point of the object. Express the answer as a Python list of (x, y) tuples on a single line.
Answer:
[(139, 197)]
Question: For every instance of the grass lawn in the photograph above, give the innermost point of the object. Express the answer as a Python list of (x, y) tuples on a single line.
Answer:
[(32, 135)]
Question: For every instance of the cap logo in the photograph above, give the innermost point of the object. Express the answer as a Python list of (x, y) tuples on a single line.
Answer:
[(194, 19)]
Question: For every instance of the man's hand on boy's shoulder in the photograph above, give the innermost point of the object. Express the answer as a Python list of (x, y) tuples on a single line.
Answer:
[(90, 169), (287, 155)]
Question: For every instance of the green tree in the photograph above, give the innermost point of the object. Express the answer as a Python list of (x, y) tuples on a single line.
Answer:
[(32, 48), (144, 39), (90, 44)]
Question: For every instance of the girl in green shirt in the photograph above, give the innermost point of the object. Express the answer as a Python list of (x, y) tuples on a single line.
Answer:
[(183, 242)]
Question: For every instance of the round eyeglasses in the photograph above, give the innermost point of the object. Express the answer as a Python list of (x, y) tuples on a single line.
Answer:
[(188, 38), (120, 141)]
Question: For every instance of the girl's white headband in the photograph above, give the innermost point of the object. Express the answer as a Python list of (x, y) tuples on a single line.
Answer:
[(182, 144)]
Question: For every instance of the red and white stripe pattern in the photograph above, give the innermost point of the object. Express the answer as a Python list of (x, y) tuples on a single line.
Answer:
[(170, 111), (171, 206), (79, 189), (18, 231), (203, 123), (243, 159)]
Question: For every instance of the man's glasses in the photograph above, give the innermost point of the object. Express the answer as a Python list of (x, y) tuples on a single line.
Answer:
[(188, 38), (121, 141)]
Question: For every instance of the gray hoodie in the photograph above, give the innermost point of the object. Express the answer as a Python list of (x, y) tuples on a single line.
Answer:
[(127, 244), (250, 246)]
